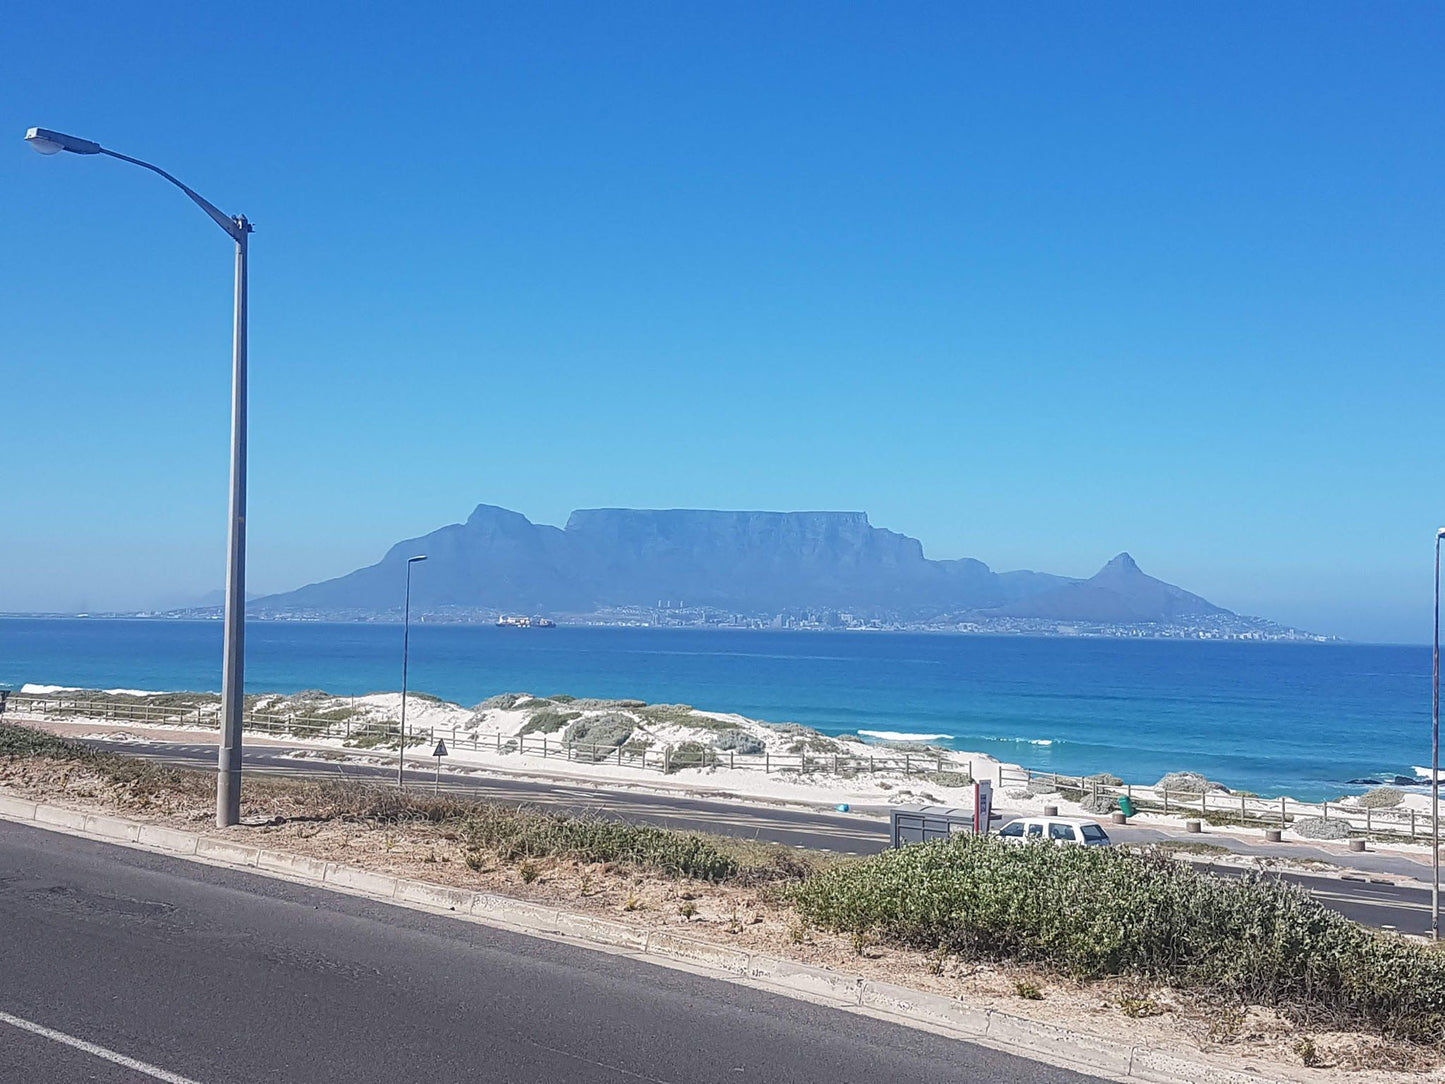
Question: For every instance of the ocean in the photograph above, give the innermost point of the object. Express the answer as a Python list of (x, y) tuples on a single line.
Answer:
[(1279, 718)]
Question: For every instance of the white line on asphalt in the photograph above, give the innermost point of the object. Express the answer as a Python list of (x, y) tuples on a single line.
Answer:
[(93, 1049)]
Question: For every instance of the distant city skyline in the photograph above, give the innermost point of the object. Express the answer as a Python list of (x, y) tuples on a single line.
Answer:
[(1035, 286)]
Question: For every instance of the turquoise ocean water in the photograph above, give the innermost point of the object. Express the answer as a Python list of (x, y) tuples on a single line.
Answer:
[(1271, 718)]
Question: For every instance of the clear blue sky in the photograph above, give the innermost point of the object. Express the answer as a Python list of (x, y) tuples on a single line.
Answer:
[(1033, 283)]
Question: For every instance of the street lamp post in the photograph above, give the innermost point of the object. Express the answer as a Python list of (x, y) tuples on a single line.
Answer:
[(1435, 757), (405, 650), (228, 774)]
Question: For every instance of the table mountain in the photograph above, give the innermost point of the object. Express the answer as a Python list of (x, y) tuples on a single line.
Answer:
[(741, 562)]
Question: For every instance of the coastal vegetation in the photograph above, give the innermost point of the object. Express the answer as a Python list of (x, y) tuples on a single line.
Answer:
[(1148, 934), (1381, 798), (1095, 912)]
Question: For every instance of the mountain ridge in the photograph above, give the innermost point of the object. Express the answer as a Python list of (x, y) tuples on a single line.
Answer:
[(743, 562)]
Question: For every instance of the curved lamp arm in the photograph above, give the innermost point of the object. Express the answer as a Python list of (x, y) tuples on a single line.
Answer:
[(48, 142)]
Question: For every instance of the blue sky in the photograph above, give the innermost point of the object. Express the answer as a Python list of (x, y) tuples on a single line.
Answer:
[(1033, 283)]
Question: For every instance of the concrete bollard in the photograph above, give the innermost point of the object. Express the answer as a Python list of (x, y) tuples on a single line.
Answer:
[(1193, 825), (1272, 835), (1051, 811), (1118, 818), (1357, 845)]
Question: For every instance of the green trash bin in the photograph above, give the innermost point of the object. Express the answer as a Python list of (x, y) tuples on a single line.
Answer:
[(1126, 806)]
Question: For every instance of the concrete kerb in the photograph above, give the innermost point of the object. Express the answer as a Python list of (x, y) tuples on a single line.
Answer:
[(435, 897), (16, 808), (1064, 1044), (946, 1012), (168, 839), (112, 828), (899, 1004), (817, 981), (721, 957), (359, 880)]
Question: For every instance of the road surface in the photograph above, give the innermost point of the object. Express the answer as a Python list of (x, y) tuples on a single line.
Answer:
[(1402, 907), (202, 975)]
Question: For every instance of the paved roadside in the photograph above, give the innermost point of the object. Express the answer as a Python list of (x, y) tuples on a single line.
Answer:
[(217, 976)]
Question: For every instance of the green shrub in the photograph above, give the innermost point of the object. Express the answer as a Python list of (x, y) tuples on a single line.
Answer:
[(949, 779), (1382, 798), (680, 715), (548, 722), (691, 754), (1098, 911), (24, 741), (1321, 828), (529, 834), (1188, 782), (596, 737), (739, 741), (503, 701)]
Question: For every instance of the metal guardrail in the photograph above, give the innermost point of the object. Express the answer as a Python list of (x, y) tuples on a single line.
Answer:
[(1220, 808)]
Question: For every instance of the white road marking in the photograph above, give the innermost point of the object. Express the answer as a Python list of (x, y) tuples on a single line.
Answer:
[(94, 1050)]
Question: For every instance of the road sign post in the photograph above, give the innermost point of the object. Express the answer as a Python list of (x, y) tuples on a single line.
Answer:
[(439, 752)]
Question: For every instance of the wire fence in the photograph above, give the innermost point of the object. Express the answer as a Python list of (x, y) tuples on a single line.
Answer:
[(1221, 808), (341, 724), (1215, 807)]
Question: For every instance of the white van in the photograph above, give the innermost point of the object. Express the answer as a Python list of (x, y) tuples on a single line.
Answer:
[(1061, 830)]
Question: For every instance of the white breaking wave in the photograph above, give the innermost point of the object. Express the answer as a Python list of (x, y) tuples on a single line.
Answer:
[(899, 735), (30, 689), (1424, 773)]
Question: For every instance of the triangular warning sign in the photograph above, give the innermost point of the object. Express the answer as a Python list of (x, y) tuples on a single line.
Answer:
[(440, 750)]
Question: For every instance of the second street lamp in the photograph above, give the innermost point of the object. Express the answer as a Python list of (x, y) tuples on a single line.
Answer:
[(228, 771), (1435, 757), (405, 650)]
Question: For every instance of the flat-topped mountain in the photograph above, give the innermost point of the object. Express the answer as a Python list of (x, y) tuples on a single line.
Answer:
[(739, 562)]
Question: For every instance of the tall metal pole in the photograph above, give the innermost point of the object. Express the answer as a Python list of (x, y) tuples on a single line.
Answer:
[(233, 683), (233, 679), (405, 650), (1435, 757)]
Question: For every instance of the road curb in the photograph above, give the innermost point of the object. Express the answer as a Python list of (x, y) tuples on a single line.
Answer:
[(1037, 1040)]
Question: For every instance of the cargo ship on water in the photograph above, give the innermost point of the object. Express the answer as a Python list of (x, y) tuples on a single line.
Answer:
[(511, 621)]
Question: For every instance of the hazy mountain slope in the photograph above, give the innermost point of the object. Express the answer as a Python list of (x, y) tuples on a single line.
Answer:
[(745, 562), (1118, 593)]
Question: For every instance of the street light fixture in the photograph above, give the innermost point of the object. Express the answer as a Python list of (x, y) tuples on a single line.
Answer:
[(228, 773), (1435, 757), (405, 649)]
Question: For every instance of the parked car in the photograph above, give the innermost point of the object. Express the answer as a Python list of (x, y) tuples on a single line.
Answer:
[(1061, 830)]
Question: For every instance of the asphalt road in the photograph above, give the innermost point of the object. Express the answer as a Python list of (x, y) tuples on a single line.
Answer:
[(1403, 907), (212, 976)]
